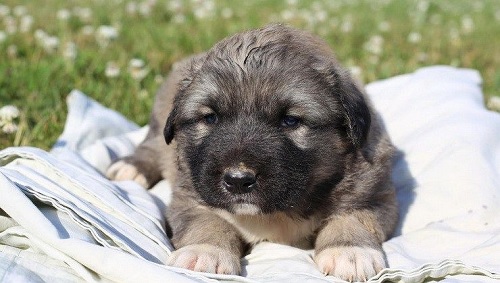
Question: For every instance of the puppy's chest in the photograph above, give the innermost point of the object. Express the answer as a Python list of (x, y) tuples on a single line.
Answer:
[(277, 228)]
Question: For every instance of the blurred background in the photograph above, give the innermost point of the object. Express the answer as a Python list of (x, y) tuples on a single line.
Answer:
[(118, 51)]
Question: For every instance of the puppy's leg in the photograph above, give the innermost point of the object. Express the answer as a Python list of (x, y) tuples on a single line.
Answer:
[(349, 246), (143, 166), (204, 241)]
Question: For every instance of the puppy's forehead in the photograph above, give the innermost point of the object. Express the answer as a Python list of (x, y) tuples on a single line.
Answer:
[(264, 70), (226, 88)]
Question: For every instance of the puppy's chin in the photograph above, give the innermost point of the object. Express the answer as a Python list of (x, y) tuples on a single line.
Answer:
[(245, 209)]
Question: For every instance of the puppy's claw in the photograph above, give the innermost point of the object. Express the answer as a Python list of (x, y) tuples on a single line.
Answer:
[(122, 171), (205, 258), (350, 263)]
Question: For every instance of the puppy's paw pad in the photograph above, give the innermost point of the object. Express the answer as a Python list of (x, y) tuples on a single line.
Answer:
[(350, 263), (122, 171), (205, 258)]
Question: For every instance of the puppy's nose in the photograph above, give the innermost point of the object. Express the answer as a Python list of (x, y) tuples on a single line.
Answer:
[(239, 181)]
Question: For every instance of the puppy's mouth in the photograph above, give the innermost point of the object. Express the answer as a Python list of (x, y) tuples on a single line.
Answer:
[(245, 209), (244, 198), (244, 205)]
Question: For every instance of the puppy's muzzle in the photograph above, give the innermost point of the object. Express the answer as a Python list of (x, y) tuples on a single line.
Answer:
[(239, 181)]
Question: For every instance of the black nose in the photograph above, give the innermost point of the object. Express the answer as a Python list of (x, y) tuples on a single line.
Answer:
[(239, 181)]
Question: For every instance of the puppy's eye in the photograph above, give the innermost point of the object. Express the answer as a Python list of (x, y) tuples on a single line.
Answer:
[(210, 118), (290, 121)]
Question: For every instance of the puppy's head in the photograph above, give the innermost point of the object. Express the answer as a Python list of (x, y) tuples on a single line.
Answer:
[(264, 121)]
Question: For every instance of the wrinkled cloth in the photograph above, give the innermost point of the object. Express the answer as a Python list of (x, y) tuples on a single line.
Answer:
[(61, 220)]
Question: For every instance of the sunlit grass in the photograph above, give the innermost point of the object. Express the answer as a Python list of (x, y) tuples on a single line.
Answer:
[(119, 51)]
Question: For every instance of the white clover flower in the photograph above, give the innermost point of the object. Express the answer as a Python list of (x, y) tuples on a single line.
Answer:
[(422, 57), (179, 19), (10, 25), (50, 43), (112, 70), (146, 7), (201, 13), (159, 79), (8, 113), (174, 5), (227, 13), (26, 23), (69, 51), (9, 128), (84, 14), (139, 74), (20, 11), (454, 34), (467, 24), (423, 6), (4, 10), (287, 15), (131, 8), (346, 26), (494, 103), (292, 2), (136, 63), (137, 69), (143, 94), (12, 51), (414, 37), (321, 16), (384, 26), (105, 34), (40, 34), (356, 71), (374, 44), (3, 36), (204, 9), (208, 5), (63, 14)]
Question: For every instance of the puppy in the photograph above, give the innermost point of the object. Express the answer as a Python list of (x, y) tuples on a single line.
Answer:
[(269, 139)]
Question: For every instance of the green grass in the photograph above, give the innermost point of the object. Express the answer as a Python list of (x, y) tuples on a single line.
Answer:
[(461, 33)]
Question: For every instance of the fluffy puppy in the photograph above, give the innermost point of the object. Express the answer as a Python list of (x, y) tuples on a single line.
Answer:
[(269, 139)]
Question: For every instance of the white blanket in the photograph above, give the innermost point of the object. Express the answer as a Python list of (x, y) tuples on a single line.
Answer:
[(62, 221)]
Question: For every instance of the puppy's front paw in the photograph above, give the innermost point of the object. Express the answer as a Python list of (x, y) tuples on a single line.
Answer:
[(122, 171), (206, 258), (350, 263)]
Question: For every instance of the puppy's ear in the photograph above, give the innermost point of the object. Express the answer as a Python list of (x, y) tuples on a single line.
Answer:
[(188, 70), (356, 114), (169, 130)]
